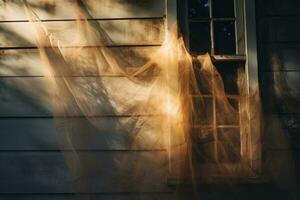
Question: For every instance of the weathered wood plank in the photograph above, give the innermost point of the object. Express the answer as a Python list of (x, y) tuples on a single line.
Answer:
[(29, 97), (282, 132), (33, 134), (46, 172), (11, 10), (280, 57), (283, 82), (122, 32), (280, 30), (281, 92), (124, 196), (27, 62), (277, 7)]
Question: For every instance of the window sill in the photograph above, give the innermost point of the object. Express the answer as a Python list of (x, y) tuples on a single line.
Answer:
[(226, 58)]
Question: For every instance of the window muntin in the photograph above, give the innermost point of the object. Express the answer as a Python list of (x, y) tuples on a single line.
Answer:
[(249, 164), (217, 27)]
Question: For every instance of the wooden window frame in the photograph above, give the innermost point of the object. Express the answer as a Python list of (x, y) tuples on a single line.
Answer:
[(246, 50)]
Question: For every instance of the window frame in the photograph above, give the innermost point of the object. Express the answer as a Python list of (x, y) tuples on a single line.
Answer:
[(246, 50)]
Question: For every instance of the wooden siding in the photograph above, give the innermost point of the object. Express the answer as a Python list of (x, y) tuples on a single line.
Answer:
[(27, 62), (32, 166), (13, 10), (279, 65), (108, 196), (39, 134), (29, 96), (32, 163), (45, 172), (141, 32)]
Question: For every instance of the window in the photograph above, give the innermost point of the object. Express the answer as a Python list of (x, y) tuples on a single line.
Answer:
[(215, 26), (225, 30)]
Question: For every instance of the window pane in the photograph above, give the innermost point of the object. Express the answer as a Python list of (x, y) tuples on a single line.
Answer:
[(204, 80), (203, 146), (203, 135), (224, 33), (229, 74), (223, 8), (199, 8), (229, 116), (203, 111), (200, 37), (229, 145)]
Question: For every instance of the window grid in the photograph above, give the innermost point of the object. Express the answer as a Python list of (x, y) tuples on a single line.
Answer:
[(212, 20)]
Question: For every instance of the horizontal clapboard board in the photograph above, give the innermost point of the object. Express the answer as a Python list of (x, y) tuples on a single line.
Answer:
[(281, 57), (121, 32), (107, 196), (27, 62), (46, 134), (120, 163), (46, 172), (29, 97), (289, 81), (281, 92), (13, 10), (279, 30), (271, 8), (283, 132)]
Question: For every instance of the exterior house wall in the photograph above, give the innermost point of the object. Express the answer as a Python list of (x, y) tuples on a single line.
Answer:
[(278, 34), (31, 163)]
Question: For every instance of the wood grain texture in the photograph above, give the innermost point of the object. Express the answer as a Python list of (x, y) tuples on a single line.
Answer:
[(12, 10), (46, 172)]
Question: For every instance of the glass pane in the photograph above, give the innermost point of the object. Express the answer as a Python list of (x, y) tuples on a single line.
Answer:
[(223, 8), (203, 135), (200, 37), (229, 145), (227, 112), (224, 34), (203, 111), (229, 74), (204, 80), (203, 146), (199, 8)]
